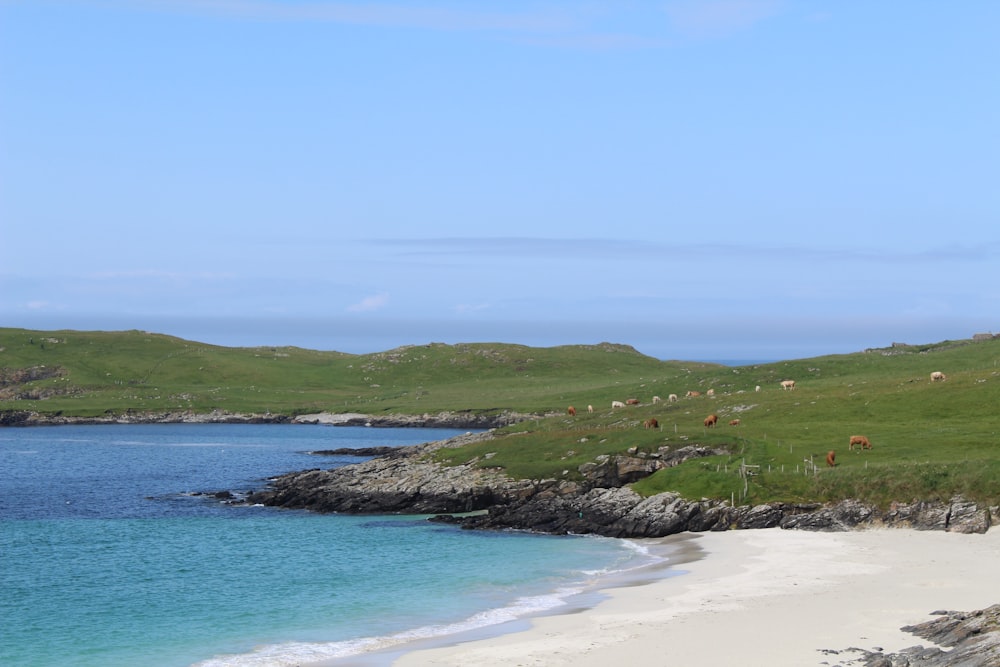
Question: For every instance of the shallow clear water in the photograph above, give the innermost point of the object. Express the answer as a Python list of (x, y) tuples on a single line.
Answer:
[(108, 558)]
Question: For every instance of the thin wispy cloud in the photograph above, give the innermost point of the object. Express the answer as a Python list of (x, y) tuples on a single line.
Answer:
[(590, 27), (505, 246), (718, 18), (425, 15), (599, 42), (596, 248), (156, 274), (370, 304)]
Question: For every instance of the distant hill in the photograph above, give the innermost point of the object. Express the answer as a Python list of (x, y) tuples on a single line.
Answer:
[(88, 373)]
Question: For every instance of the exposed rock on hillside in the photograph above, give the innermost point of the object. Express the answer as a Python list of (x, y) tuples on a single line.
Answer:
[(448, 419), (600, 502), (17, 384)]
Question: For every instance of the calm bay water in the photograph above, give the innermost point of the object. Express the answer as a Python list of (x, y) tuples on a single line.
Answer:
[(108, 557)]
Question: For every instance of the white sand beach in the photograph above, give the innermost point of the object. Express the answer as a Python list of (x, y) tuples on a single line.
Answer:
[(760, 597)]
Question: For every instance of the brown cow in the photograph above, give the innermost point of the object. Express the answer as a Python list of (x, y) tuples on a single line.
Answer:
[(861, 441), (651, 423), (734, 422), (572, 411), (830, 457), (632, 401), (711, 420), (693, 393)]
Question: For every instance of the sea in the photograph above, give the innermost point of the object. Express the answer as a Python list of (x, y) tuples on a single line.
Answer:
[(113, 552)]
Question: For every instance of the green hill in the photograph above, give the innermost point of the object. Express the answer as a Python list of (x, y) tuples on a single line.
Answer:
[(930, 439), (90, 373)]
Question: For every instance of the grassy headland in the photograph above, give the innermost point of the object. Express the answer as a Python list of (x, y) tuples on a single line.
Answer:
[(930, 440)]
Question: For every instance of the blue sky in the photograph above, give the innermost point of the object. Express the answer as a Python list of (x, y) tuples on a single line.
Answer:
[(716, 180)]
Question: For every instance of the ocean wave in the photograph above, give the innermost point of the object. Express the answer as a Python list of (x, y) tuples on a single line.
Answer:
[(289, 654)]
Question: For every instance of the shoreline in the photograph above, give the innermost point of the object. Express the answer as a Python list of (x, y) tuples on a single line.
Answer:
[(782, 597), (666, 555), (441, 419)]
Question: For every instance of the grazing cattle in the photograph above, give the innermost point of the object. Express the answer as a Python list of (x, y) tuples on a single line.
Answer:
[(710, 392), (788, 384), (831, 456), (590, 408), (861, 441), (757, 388), (711, 420), (631, 401), (656, 399), (572, 411), (693, 393), (672, 398), (617, 404), (938, 376), (651, 423), (734, 422)]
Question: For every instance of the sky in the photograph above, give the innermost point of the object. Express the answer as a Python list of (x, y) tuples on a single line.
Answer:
[(702, 180)]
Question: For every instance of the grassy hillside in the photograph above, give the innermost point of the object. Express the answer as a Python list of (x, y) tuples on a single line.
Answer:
[(89, 373), (930, 439)]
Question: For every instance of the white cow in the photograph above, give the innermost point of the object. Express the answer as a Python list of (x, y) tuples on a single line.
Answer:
[(788, 384), (938, 376), (672, 398), (617, 404)]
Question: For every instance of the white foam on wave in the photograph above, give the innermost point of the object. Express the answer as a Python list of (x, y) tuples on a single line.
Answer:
[(642, 556), (296, 653)]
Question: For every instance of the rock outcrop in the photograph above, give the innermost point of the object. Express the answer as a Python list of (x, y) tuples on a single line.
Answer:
[(406, 481), (973, 640), (598, 501), (445, 419)]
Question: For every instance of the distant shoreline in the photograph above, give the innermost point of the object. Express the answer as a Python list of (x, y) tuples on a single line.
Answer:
[(437, 420)]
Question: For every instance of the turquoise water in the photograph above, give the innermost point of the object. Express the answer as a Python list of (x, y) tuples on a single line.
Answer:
[(107, 556)]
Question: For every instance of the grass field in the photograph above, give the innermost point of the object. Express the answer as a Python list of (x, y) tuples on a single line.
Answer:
[(930, 440)]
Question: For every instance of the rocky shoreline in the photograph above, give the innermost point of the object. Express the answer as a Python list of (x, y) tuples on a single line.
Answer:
[(448, 419), (409, 481), (405, 480)]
